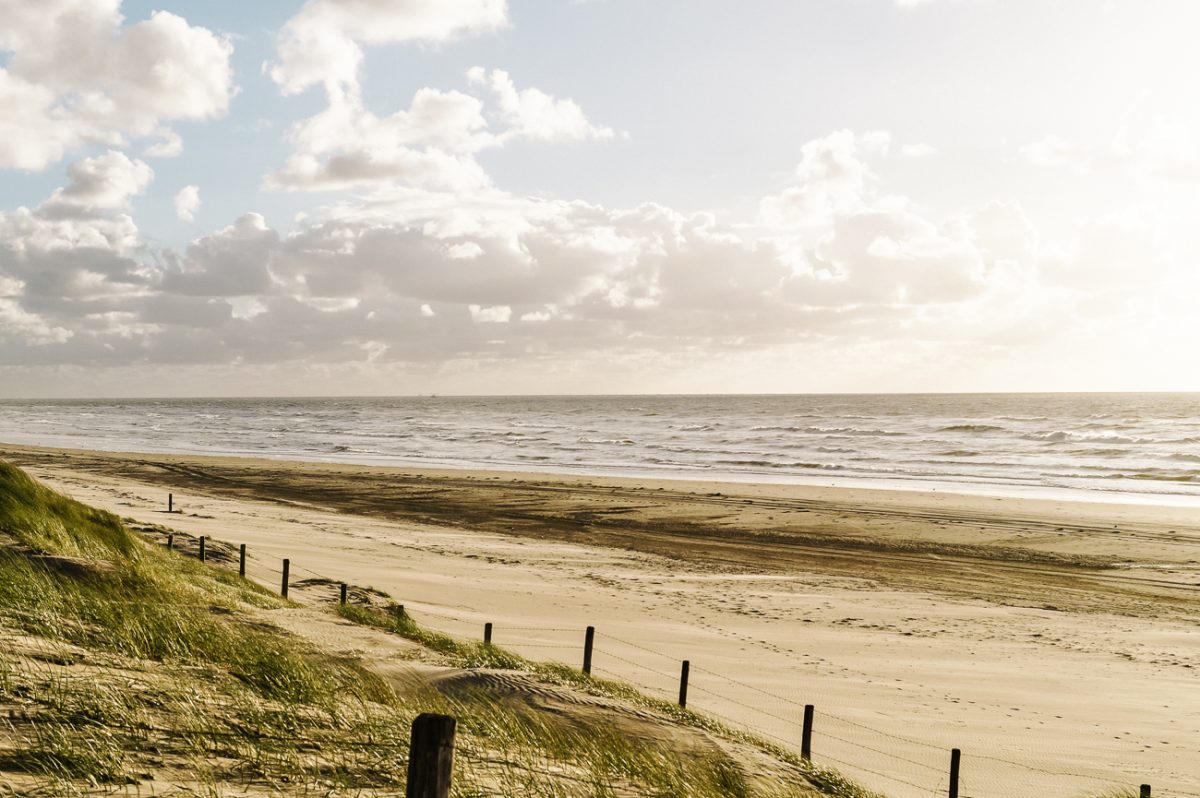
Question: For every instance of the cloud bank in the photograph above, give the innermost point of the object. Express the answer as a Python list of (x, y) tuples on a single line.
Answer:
[(76, 73), (418, 259)]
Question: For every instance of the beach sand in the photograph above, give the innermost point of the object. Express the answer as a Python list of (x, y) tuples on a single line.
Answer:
[(1056, 643)]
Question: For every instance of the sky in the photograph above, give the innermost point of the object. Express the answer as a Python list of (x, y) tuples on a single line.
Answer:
[(391, 197)]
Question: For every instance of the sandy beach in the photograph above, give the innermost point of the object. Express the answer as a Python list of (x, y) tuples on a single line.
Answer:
[(1056, 643)]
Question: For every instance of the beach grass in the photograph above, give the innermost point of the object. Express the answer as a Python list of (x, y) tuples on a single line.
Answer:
[(125, 664), (474, 654)]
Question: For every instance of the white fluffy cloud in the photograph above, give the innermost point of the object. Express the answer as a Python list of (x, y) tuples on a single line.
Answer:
[(321, 44), (67, 265), (104, 182), (76, 73), (533, 114), (417, 276), (187, 202), (832, 178), (432, 143)]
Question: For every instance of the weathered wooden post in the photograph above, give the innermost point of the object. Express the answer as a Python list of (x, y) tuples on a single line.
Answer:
[(806, 734), (170, 502), (202, 548), (170, 541), (589, 637), (683, 680), (430, 756), (955, 756), (342, 597), (1144, 792), (487, 633), (283, 588), (242, 561)]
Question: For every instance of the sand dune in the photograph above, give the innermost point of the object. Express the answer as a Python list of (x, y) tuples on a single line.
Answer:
[(1056, 643)]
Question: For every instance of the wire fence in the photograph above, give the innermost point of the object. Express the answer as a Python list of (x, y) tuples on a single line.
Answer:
[(880, 758), (885, 754)]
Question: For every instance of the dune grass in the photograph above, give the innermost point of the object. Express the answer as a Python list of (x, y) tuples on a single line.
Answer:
[(475, 654), (124, 664)]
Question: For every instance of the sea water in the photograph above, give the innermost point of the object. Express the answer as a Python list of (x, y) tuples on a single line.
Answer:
[(1133, 446)]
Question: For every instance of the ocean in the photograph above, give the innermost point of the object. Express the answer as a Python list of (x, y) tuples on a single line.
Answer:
[(1144, 447)]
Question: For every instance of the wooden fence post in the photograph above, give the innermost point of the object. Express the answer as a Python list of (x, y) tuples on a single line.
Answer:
[(806, 734), (170, 541), (342, 597), (589, 637), (683, 681), (283, 588), (242, 561), (955, 756), (487, 633), (202, 548), (170, 502), (1144, 792), (430, 756)]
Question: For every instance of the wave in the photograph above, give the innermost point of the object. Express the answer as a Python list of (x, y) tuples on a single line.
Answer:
[(972, 428), (1148, 475), (697, 428), (830, 431), (1160, 476), (771, 464), (1067, 436), (609, 441), (958, 453), (1172, 476)]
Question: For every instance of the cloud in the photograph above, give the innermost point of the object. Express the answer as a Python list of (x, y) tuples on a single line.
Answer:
[(232, 262), (431, 144), (321, 44), (1157, 149), (104, 182), (76, 74), (832, 177), (68, 264), (496, 314), (171, 145), (187, 202), (422, 278), (533, 114)]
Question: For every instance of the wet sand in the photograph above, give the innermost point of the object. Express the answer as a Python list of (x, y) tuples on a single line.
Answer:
[(1057, 643)]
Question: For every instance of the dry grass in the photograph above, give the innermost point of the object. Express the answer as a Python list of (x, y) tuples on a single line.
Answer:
[(124, 664)]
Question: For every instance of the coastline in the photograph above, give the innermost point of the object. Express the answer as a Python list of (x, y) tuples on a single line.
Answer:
[(959, 621), (1078, 505), (1095, 449)]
